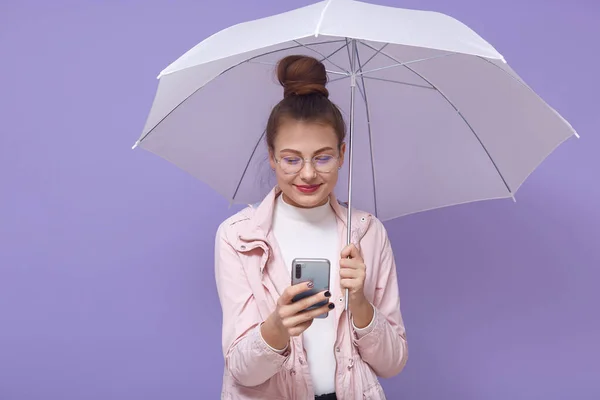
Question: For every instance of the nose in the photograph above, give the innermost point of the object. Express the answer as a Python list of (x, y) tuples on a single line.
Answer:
[(308, 171)]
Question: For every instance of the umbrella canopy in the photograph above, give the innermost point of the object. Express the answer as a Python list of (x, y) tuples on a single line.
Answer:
[(438, 117)]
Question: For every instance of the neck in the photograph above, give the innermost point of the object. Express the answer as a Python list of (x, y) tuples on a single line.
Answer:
[(312, 215)]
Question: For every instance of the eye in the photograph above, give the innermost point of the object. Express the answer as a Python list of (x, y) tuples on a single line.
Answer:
[(323, 159), (292, 160)]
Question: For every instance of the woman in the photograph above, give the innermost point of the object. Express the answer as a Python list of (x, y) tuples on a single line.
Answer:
[(273, 349)]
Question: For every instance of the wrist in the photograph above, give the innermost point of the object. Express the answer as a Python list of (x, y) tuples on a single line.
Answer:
[(362, 314), (358, 302), (274, 337)]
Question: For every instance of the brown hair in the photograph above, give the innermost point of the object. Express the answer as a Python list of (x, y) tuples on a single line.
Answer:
[(305, 97)]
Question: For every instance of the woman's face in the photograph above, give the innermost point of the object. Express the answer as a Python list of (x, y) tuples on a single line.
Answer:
[(314, 182)]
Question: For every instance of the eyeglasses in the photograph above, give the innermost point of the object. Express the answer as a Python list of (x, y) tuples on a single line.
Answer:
[(323, 163)]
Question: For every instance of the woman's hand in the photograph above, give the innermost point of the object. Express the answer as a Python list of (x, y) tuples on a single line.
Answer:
[(352, 277), (289, 319)]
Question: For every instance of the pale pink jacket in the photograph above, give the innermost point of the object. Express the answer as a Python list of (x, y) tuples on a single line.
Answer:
[(250, 277)]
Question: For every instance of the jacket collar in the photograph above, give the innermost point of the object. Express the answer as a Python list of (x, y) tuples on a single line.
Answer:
[(260, 219)]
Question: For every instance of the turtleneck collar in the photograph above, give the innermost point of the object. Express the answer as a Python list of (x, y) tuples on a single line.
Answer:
[(314, 214)]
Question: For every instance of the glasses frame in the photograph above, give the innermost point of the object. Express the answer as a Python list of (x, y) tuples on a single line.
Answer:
[(304, 161)]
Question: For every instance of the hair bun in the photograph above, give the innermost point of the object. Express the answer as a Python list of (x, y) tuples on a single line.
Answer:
[(302, 75)]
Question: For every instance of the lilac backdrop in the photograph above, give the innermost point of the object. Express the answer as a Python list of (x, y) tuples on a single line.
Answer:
[(106, 264)]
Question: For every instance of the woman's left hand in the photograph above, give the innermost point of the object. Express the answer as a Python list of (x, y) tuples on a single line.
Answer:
[(352, 275)]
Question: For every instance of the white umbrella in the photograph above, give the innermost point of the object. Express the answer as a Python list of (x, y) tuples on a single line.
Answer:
[(436, 116)]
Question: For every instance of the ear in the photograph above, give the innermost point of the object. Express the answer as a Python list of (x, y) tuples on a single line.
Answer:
[(342, 154), (272, 159)]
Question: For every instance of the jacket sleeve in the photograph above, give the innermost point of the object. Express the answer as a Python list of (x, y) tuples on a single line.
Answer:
[(384, 347), (248, 358)]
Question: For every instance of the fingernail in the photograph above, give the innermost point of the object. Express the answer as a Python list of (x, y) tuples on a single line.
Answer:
[(327, 294), (331, 306), (310, 284)]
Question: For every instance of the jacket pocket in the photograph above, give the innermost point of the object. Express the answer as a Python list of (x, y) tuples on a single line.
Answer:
[(375, 392), (369, 384)]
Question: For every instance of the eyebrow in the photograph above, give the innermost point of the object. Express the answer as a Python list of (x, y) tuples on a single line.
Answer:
[(297, 152)]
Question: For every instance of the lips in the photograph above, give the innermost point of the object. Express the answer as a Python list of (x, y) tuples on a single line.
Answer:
[(308, 188)]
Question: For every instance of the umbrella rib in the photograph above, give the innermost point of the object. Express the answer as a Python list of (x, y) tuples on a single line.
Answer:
[(460, 115), (349, 54), (363, 93), (247, 165), (220, 74), (298, 44), (406, 63), (332, 54), (321, 54), (506, 72), (398, 82), (338, 79), (373, 56), (261, 63)]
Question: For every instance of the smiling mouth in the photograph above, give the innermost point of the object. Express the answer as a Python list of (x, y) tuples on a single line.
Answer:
[(307, 188)]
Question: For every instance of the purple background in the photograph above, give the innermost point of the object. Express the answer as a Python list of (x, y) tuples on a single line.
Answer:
[(106, 254)]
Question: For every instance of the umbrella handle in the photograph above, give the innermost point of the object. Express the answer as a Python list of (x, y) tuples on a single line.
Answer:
[(346, 299)]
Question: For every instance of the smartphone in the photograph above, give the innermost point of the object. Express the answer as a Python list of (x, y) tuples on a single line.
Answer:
[(315, 270)]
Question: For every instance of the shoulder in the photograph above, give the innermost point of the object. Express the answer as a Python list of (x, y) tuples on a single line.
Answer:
[(372, 231), (230, 228), (377, 230), (367, 227)]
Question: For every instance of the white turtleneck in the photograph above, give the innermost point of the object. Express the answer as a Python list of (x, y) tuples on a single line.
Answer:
[(312, 232)]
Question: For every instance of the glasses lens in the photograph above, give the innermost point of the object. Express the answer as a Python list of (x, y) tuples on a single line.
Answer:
[(324, 163), (291, 165)]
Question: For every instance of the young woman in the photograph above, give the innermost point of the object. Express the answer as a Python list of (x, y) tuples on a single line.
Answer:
[(273, 349)]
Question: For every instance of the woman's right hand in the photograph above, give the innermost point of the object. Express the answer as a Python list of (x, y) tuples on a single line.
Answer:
[(289, 319)]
